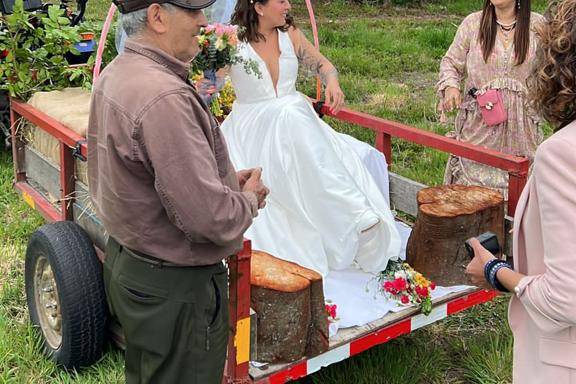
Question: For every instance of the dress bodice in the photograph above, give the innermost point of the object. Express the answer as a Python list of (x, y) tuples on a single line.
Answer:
[(251, 89)]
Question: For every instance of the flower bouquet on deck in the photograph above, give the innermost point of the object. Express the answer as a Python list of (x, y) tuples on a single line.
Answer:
[(333, 318), (400, 282), (219, 49)]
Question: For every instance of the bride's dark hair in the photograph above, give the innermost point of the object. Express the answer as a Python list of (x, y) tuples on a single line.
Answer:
[(245, 16)]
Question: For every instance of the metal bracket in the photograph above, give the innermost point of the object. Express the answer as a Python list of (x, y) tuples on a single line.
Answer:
[(8, 142), (318, 108), (77, 150)]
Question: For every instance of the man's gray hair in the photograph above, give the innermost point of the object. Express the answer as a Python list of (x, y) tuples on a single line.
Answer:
[(135, 22)]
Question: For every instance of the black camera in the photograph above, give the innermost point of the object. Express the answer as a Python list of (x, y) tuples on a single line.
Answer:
[(488, 240)]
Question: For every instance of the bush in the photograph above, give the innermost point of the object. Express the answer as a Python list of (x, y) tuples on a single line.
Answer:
[(34, 48)]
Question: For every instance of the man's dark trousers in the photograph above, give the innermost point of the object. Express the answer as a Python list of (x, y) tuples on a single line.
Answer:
[(175, 319)]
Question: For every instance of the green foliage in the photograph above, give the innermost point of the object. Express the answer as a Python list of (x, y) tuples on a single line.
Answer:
[(109, 52), (37, 46), (218, 50)]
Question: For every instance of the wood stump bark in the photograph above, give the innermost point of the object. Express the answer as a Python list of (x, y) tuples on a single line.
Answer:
[(288, 299), (448, 215)]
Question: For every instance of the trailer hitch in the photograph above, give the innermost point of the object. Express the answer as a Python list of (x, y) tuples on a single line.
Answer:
[(77, 150), (318, 108)]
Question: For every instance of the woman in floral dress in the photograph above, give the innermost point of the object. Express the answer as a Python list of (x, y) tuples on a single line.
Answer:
[(493, 49)]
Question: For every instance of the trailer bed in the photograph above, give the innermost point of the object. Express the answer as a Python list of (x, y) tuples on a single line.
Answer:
[(54, 190)]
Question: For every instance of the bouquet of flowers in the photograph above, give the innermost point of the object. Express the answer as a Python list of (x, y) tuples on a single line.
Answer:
[(224, 99), (402, 283), (221, 101), (331, 310), (332, 317), (219, 49)]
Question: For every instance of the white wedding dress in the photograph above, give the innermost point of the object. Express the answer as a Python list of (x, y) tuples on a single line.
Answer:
[(325, 211), (325, 189)]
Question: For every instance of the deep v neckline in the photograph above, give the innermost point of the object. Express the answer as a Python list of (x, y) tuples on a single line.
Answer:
[(274, 86)]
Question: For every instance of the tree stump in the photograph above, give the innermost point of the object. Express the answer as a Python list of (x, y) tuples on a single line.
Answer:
[(448, 215), (292, 321)]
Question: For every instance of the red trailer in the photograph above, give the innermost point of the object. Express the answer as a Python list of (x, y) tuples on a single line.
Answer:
[(63, 274)]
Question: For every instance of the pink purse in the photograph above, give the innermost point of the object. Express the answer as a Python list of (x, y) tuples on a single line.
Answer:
[(492, 107)]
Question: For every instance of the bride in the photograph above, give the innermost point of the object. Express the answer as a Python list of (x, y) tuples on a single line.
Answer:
[(325, 211)]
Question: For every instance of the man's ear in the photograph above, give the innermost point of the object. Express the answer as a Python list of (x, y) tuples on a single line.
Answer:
[(157, 18)]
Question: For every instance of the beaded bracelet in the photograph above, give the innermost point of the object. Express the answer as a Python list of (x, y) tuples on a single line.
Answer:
[(491, 269)]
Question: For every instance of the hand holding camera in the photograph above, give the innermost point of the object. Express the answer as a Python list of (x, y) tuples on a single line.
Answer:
[(487, 240), (482, 250)]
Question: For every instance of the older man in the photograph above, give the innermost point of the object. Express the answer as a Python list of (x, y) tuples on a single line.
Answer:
[(164, 187)]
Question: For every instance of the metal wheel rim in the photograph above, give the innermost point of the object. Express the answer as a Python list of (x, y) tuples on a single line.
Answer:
[(47, 302)]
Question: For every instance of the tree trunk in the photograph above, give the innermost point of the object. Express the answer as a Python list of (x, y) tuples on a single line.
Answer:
[(291, 316), (448, 215)]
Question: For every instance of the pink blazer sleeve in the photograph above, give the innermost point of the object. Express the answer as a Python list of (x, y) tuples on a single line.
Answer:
[(550, 298)]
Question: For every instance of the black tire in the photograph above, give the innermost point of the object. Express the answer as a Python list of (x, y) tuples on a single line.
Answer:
[(72, 315)]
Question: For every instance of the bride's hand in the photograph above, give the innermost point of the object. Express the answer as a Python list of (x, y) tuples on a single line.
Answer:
[(334, 95)]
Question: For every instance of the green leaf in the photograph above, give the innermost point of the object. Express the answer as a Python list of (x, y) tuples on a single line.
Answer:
[(63, 20), (54, 13)]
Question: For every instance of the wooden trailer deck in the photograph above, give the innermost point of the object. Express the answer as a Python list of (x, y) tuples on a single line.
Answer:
[(54, 190)]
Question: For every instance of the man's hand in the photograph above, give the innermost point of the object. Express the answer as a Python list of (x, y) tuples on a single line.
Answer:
[(243, 176), (254, 184), (475, 269)]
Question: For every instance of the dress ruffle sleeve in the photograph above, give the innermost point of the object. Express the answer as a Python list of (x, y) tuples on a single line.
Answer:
[(453, 64)]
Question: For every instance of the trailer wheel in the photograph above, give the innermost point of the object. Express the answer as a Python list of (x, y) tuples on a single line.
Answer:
[(65, 293)]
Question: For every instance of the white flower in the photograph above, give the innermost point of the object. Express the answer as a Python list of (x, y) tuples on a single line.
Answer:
[(400, 274), (220, 44)]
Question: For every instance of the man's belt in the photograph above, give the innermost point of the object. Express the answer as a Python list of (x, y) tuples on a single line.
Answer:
[(149, 259)]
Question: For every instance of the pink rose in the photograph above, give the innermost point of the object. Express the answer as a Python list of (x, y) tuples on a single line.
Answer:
[(400, 284), (388, 286), (422, 291), (331, 309)]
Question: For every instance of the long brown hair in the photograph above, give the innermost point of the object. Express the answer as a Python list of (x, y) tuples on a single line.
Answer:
[(245, 16), (489, 29), (552, 83)]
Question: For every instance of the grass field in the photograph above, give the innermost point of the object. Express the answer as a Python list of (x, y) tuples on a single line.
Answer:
[(388, 60)]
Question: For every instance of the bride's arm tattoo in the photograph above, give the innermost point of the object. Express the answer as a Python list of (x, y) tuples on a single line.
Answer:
[(311, 61)]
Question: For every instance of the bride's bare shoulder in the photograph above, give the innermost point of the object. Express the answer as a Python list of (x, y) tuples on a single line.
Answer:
[(297, 37), (294, 32)]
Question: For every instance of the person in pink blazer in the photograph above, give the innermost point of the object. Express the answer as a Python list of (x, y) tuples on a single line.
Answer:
[(542, 312)]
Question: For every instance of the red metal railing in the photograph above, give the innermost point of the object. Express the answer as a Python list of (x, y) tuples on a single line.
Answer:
[(517, 167), (69, 142)]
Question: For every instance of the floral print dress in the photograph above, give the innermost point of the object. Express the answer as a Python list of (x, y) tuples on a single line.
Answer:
[(521, 134)]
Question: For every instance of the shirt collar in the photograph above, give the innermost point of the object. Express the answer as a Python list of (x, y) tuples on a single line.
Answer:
[(180, 68)]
